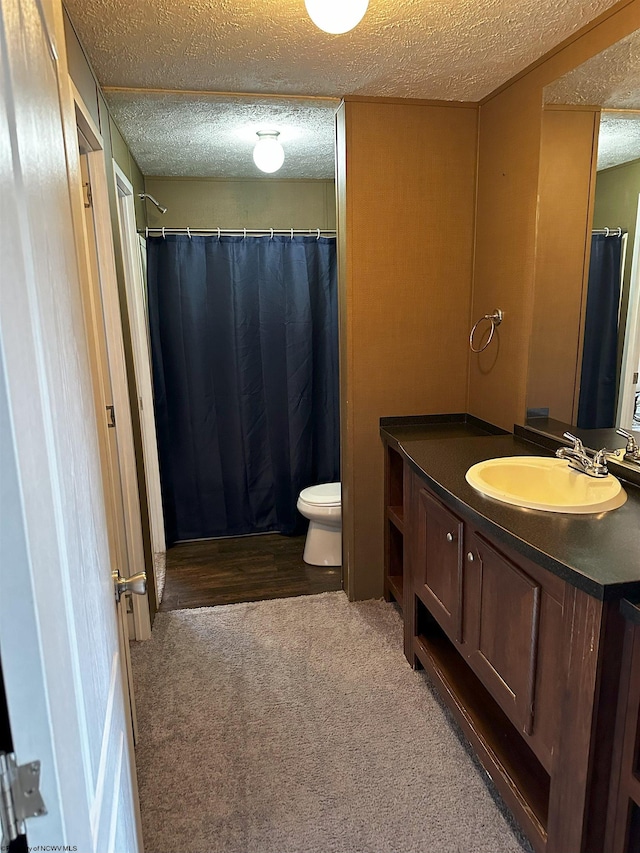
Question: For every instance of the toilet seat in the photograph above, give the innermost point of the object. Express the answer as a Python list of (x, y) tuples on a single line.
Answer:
[(326, 494)]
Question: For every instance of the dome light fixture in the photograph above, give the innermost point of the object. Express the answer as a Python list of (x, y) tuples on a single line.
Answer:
[(268, 155), (336, 16)]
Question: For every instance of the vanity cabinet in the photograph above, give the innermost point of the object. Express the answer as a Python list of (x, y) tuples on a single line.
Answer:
[(506, 634), (437, 575), (623, 828), (527, 663)]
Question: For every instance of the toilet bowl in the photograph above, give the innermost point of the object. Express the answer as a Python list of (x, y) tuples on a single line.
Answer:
[(322, 505)]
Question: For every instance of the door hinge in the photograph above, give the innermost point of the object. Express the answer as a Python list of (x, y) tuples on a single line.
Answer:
[(635, 379), (88, 197), (20, 796), (111, 417)]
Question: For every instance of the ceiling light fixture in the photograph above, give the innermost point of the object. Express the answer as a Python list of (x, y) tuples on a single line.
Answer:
[(336, 16), (268, 155)]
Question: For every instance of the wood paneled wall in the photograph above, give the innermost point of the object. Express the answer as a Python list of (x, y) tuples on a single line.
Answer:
[(565, 192), (406, 187), (508, 162)]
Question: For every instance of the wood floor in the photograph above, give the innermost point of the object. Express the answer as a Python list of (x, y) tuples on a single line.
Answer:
[(249, 568)]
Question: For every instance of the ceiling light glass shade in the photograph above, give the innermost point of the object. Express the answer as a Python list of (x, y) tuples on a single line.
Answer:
[(336, 16), (268, 155)]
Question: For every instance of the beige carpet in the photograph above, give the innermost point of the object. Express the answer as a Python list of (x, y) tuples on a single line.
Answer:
[(297, 726)]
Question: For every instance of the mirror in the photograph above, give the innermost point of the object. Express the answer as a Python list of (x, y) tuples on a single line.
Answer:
[(585, 344)]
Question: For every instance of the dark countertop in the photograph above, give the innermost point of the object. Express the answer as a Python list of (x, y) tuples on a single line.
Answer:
[(398, 430), (598, 553)]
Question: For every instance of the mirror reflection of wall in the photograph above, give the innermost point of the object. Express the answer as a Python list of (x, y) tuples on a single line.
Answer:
[(585, 345), (617, 199)]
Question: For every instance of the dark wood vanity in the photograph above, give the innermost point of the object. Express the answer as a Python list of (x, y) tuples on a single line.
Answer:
[(526, 645), (623, 826)]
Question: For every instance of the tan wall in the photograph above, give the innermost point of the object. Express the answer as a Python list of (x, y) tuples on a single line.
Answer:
[(216, 203), (565, 191), (87, 85), (406, 180), (616, 204), (508, 158), (80, 71)]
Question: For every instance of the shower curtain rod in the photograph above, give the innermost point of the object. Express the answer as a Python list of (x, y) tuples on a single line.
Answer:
[(610, 232), (242, 232)]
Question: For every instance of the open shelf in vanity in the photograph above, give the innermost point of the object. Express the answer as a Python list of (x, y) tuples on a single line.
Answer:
[(394, 527), (502, 750)]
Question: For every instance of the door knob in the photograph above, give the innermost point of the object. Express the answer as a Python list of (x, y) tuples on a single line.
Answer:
[(136, 584)]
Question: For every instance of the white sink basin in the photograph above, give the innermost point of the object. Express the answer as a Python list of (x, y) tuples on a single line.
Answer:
[(539, 482)]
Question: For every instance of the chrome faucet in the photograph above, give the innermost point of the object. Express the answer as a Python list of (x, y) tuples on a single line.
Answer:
[(579, 459), (632, 451)]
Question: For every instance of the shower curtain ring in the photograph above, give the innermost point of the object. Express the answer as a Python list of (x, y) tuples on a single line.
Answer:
[(244, 236), (292, 233), (271, 238), (318, 237), (606, 232), (163, 234), (189, 233), (218, 233)]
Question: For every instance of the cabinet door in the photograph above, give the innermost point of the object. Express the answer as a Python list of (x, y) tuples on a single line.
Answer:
[(502, 610), (438, 574)]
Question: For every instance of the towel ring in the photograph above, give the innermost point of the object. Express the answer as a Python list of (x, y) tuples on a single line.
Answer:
[(495, 319)]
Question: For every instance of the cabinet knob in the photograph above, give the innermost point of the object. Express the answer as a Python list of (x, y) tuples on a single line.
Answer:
[(470, 556), (451, 537)]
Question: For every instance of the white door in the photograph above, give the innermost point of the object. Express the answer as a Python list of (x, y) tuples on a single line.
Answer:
[(59, 638), (135, 283)]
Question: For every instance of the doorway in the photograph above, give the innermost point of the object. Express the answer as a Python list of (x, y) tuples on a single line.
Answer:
[(244, 338), (106, 349)]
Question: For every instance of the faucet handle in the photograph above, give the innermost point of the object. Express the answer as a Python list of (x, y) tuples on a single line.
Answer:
[(632, 448), (577, 444), (600, 458)]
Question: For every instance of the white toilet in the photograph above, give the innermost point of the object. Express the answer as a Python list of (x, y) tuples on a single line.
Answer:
[(322, 505)]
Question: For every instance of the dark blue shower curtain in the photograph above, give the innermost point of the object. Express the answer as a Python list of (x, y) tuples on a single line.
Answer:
[(244, 335), (599, 376)]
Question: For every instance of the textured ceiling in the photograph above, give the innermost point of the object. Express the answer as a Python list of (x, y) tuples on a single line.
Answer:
[(619, 139), (205, 135), (435, 49), (611, 80), (445, 49)]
